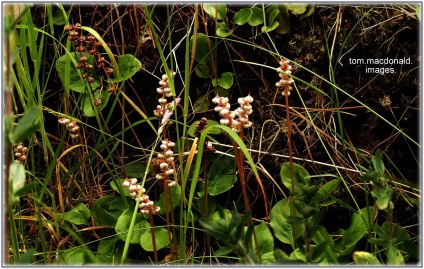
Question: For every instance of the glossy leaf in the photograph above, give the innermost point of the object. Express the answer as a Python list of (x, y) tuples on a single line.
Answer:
[(300, 175), (203, 54), (123, 224), (17, 180), (175, 197), (221, 184), (365, 258), (297, 8), (257, 17), (265, 239), (203, 71), (135, 169), (161, 238), (78, 215), (394, 256), (202, 104), (242, 16), (27, 125), (75, 257), (88, 108), (107, 209), (128, 66), (218, 11), (225, 81)]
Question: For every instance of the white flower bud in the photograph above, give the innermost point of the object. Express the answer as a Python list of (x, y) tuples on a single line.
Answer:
[(163, 166), (240, 101), (160, 156), (133, 188), (167, 90), (64, 120), (168, 94), (171, 144), (225, 100), (144, 211), (169, 153), (71, 125), (162, 100), (224, 121), (133, 181), (163, 147), (227, 106), (248, 124), (170, 159), (236, 123), (159, 90), (171, 184), (232, 114), (279, 70), (288, 72), (169, 172), (218, 108), (224, 112), (159, 177), (133, 193), (74, 135), (75, 129), (162, 83), (216, 99), (247, 107), (141, 205), (248, 99), (278, 84), (18, 154), (157, 209), (149, 203), (24, 149), (126, 183), (164, 77)]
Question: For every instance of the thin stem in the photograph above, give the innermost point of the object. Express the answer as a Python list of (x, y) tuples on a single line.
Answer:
[(152, 230)]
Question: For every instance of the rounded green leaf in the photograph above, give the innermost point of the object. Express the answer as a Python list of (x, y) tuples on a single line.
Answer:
[(226, 80), (89, 108), (297, 8), (300, 175), (27, 125), (203, 54), (203, 71), (128, 66), (135, 169), (123, 225), (221, 184), (17, 180), (265, 239), (161, 239), (78, 215), (175, 197), (242, 16), (218, 11), (202, 104), (365, 258), (278, 220), (257, 17), (74, 257), (107, 209), (223, 32)]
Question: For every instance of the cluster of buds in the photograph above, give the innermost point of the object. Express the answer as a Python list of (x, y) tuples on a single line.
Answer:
[(165, 109), (237, 119), (283, 72), (146, 205), (165, 91), (87, 44), (71, 125), (20, 153), (166, 161)]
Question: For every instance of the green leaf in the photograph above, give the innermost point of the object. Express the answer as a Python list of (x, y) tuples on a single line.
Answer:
[(356, 230), (110, 251), (217, 11), (224, 165), (377, 162), (223, 32), (203, 54), (272, 15), (297, 8), (265, 239), (135, 169), (107, 209), (257, 17), (123, 224), (192, 128), (58, 17), (278, 220), (76, 82), (78, 215), (223, 251), (325, 191), (394, 256), (211, 204), (418, 12), (17, 180), (221, 91), (175, 197), (27, 257), (221, 184), (74, 257), (322, 236), (203, 71), (309, 11), (128, 66), (225, 81), (242, 16), (88, 108), (27, 125), (216, 217), (269, 28), (365, 258), (283, 20), (120, 181), (161, 239), (202, 104), (300, 175)]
